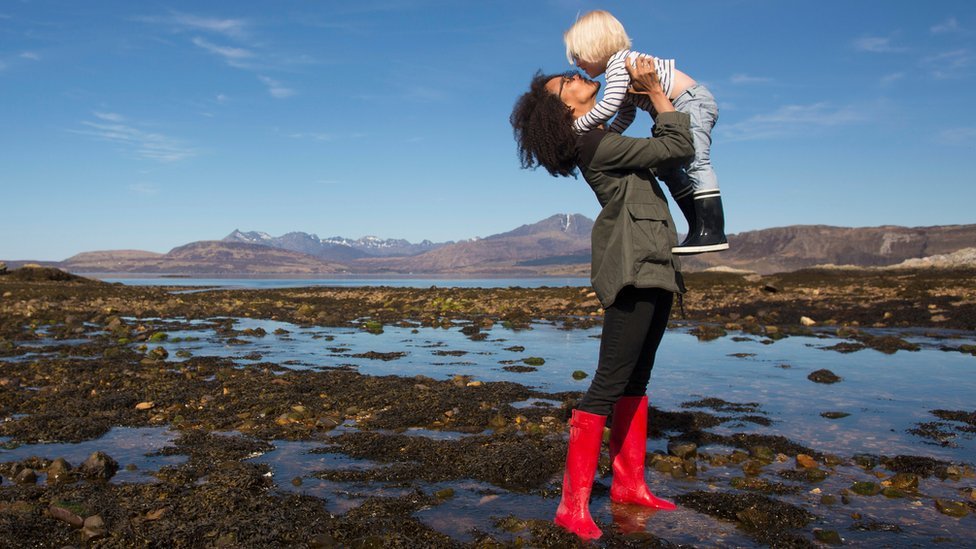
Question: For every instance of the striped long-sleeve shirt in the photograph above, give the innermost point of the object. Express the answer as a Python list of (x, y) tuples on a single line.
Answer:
[(615, 99)]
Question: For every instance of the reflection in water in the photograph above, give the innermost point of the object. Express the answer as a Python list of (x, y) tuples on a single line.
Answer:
[(884, 394), (127, 445)]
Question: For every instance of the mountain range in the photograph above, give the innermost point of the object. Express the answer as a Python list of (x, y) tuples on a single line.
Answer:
[(557, 246)]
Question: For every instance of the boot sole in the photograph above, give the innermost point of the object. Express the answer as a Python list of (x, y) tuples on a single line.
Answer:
[(688, 250)]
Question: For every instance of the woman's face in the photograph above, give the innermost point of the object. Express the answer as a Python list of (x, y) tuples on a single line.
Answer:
[(576, 92)]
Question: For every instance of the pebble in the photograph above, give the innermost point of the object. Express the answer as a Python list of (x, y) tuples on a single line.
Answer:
[(865, 488), (580, 374), (823, 376), (816, 475), (94, 528), (147, 405), (805, 461), (58, 471), (99, 465), (64, 514), (445, 493), (807, 321), (682, 449), (956, 509), (764, 453), (752, 468), (26, 476), (830, 537), (904, 481)]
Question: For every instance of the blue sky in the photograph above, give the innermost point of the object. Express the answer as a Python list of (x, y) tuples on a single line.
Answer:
[(147, 125)]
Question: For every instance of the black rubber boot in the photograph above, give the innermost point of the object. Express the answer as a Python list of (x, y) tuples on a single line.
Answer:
[(708, 232), (687, 205)]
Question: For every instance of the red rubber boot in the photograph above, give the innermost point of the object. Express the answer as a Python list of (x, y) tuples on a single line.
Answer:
[(585, 436), (628, 449)]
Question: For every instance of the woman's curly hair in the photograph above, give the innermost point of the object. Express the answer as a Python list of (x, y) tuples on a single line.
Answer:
[(543, 128)]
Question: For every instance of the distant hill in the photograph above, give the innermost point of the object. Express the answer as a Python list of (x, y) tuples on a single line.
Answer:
[(558, 240), (336, 248), (204, 258), (558, 245), (798, 246)]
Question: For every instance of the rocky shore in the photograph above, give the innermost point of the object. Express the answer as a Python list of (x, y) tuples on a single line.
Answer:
[(113, 375)]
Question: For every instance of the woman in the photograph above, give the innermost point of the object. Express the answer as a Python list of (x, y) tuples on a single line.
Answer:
[(633, 271)]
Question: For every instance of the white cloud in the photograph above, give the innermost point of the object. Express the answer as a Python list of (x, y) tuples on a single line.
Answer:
[(948, 64), (221, 98), (949, 25), (889, 79), (109, 116), (315, 136), (146, 189), (32, 56), (144, 144), (746, 79), (790, 121), (276, 89), (235, 28), (958, 136), (233, 56), (876, 44), (229, 27)]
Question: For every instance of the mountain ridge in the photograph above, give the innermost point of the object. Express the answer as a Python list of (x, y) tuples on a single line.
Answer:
[(556, 246)]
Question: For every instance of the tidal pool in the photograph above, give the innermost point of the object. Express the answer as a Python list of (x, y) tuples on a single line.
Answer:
[(884, 394)]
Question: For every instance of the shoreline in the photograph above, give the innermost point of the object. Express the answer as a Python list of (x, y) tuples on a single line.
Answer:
[(99, 369)]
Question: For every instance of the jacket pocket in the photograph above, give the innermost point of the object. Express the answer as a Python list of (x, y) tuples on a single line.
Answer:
[(651, 236)]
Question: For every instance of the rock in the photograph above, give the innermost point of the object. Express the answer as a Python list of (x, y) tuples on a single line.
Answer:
[(580, 374), (445, 493), (807, 321), (815, 475), (830, 537), (834, 415), (94, 528), (58, 471), (67, 512), (99, 465), (156, 514), (764, 453), (682, 449), (904, 481), (865, 488), (892, 493), (147, 405), (322, 541), (3, 268), (956, 509), (805, 461), (534, 361), (769, 288), (823, 376), (158, 353), (26, 476), (752, 467)]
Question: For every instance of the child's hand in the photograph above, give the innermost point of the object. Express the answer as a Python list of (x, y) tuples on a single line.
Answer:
[(643, 76)]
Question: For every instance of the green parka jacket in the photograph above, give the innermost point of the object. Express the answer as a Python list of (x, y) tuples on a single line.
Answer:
[(634, 232)]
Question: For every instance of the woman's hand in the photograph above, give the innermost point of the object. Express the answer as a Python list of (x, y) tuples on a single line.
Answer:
[(644, 80)]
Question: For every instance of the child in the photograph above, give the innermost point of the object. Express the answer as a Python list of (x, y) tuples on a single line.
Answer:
[(597, 43)]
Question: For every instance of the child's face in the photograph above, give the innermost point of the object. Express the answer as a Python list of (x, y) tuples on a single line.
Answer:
[(592, 68)]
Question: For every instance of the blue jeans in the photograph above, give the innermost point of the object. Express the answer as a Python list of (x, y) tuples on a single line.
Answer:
[(698, 175)]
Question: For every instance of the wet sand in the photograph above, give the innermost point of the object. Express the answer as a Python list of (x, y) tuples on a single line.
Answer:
[(97, 368)]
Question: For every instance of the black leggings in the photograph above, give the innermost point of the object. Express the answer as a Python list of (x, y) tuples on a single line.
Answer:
[(632, 330)]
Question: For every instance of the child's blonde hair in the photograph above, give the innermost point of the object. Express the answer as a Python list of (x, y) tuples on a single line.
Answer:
[(594, 37)]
